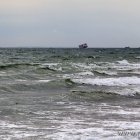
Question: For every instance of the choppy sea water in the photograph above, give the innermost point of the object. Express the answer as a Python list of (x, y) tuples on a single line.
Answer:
[(69, 94)]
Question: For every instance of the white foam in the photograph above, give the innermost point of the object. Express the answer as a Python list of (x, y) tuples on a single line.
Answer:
[(86, 128), (20, 80), (50, 64), (43, 81), (124, 62), (102, 67), (125, 65), (59, 69), (83, 66), (121, 81), (2, 73), (32, 81), (107, 130), (138, 57), (75, 126)]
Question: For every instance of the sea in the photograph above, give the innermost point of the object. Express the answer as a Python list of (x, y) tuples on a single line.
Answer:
[(69, 94)]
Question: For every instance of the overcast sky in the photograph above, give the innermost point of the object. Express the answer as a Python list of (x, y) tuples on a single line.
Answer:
[(68, 23)]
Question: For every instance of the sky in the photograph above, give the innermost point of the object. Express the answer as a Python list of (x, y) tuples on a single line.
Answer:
[(68, 23)]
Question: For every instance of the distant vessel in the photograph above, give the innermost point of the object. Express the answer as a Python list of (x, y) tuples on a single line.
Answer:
[(83, 46), (127, 47)]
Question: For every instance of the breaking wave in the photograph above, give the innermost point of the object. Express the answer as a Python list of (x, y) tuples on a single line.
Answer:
[(121, 81)]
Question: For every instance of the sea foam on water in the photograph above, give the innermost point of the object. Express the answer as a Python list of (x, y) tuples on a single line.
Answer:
[(69, 94)]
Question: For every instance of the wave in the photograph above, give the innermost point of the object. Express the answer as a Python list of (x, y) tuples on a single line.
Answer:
[(76, 75), (85, 95), (75, 95), (69, 82), (33, 66), (10, 66), (50, 66), (105, 93), (123, 62), (121, 81), (128, 86), (46, 68), (22, 86), (105, 73), (98, 95)]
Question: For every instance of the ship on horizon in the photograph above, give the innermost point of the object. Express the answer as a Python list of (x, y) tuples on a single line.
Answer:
[(83, 46)]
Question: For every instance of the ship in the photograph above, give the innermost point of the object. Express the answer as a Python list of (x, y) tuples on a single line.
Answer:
[(127, 47), (83, 46)]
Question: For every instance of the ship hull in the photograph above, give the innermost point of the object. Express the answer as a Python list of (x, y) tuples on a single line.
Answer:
[(82, 47)]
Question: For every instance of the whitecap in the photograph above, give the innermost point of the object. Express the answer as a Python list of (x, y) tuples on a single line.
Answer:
[(123, 62), (121, 81), (84, 66), (50, 64), (43, 81)]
